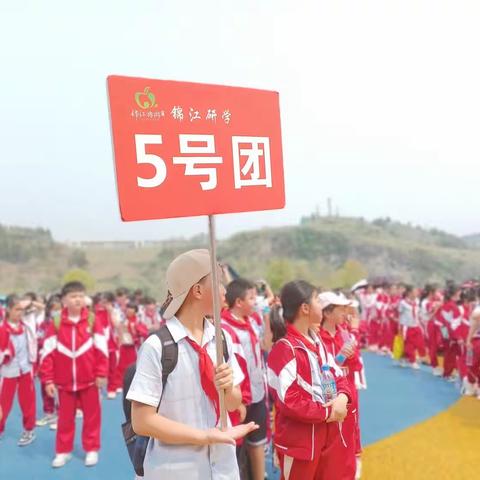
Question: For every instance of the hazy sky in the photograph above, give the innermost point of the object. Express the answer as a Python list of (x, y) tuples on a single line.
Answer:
[(380, 103)]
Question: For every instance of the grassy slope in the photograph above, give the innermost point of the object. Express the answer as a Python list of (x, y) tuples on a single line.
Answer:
[(316, 249)]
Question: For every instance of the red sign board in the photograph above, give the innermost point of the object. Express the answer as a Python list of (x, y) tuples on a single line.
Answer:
[(186, 149)]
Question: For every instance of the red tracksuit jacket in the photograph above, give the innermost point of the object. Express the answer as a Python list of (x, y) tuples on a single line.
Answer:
[(75, 355), (449, 315), (293, 376)]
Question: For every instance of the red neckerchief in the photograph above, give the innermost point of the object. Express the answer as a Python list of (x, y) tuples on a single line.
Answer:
[(246, 325), (131, 323), (14, 329), (207, 375), (292, 331)]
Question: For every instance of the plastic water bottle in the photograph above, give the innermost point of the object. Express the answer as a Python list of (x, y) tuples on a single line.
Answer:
[(469, 359), (348, 343), (329, 386)]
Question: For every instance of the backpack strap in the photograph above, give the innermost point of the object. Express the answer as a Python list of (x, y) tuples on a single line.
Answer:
[(169, 355)]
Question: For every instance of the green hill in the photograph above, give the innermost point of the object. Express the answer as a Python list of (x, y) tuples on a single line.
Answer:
[(330, 251)]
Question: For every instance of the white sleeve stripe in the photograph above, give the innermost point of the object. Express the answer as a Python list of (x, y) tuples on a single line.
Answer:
[(49, 346), (100, 342), (282, 382)]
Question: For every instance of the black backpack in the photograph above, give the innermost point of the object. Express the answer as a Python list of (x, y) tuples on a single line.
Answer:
[(137, 444)]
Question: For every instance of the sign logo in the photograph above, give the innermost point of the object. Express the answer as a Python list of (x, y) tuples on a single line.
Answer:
[(145, 99)]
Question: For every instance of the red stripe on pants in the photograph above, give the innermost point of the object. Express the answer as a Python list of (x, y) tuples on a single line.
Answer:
[(434, 342), (26, 399), (414, 342), (329, 462), (88, 400), (112, 371)]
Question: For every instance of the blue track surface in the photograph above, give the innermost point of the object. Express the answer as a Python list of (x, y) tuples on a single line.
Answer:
[(396, 398)]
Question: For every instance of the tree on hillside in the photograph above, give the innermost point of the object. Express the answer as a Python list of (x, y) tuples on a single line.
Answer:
[(348, 274), (79, 275)]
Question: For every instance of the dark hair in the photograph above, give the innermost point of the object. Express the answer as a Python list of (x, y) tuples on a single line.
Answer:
[(55, 298), (12, 300), (427, 290), (450, 291), (293, 296), (408, 290), (237, 289), (133, 306), (32, 296), (108, 297), (148, 301), (121, 291), (138, 292), (72, 287), (277, 323)]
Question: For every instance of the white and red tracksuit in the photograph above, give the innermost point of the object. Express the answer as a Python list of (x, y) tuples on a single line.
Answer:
[(350, 426), (48, 402), (151, 318), (104, 316), (474, 369), (245, 385), (428, 310), (450, 318), (248, 331), (389, 321), (134, 332), (409, 321), (307, 446), (18, 354), (460, 335), (369, 315), (73, 357)]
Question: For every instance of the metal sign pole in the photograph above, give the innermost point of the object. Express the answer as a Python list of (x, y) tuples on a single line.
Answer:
[(216, 313)]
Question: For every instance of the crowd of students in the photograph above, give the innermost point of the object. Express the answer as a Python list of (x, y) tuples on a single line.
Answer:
[(290, 375), (433, 325)]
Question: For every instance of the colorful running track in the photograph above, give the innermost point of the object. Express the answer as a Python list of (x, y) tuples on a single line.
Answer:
[(414, 427)]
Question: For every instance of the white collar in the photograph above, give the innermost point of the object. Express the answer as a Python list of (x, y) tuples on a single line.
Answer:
[(179, 332)]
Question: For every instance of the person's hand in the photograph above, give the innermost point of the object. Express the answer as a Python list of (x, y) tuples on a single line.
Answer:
[(242, 410), (224, 377), (230, 435), (339, 408), (101, 382), (24, 304), (348, 350), (50, 390)]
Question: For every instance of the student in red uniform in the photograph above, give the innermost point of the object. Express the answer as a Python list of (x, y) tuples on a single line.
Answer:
[(52, 314), (308, 436), (409, 323), (246, 323), (466, 305), (18, 354), (473, 348), (450, 317), (132, 332), (341, 346), (151, 317), (74, 365), (429, 305), (109, 319)]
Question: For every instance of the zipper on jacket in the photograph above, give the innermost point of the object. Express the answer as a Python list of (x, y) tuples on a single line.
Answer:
[(74, 366)]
